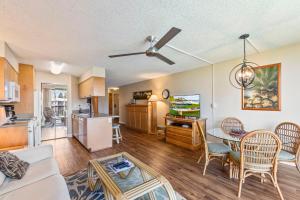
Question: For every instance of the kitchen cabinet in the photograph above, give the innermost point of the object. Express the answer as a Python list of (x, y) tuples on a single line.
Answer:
[(26, 80), (14, 137), (139, 117), (93, 86), (7, 74), (94, 133), (79, 129)]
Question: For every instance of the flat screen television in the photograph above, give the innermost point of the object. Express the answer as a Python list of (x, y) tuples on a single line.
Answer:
[(185, 105)]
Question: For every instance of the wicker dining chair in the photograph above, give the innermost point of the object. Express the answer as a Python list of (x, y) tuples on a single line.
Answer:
[(258, 156), (229, 124), (211, 151), (289, 134)]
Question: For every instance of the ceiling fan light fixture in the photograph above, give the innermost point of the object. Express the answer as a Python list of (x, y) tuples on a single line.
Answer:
[(152, 51), (243, 74)]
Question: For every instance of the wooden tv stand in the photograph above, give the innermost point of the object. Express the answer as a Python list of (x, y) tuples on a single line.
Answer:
[(186, 137)]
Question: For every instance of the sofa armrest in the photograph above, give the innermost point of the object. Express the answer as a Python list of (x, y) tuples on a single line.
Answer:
[(32, 155)]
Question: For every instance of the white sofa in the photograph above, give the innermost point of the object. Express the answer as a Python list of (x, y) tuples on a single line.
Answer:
[(42, 180)]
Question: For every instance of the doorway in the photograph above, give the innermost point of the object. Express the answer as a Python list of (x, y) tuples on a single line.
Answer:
[(113, 105), (54, 111)]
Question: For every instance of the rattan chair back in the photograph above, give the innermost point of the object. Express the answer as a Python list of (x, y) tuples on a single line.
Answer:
[(231, 123), (259, 151), (289, 134)]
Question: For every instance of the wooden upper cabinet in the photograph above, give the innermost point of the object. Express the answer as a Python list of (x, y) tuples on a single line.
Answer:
[(7, 74), (94, 86), (27, 87)]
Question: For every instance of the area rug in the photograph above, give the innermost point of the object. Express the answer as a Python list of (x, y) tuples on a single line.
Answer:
[(79, 190)]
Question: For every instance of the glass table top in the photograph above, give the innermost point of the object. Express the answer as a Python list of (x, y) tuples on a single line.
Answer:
[(219, 133), (129, 178), (132, 177)]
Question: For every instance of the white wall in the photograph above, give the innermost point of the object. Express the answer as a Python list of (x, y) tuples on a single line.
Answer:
[(227, 100), (61, 79), (197, 81)]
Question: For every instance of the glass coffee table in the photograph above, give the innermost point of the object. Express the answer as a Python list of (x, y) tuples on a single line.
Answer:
[(138, 182)]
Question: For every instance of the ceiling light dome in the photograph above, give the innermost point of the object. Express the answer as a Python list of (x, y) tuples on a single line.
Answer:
[(56, 67)]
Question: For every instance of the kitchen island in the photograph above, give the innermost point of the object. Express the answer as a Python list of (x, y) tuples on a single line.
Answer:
[(94, 131)]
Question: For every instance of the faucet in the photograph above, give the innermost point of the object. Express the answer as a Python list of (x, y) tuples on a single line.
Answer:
[(80, 110)]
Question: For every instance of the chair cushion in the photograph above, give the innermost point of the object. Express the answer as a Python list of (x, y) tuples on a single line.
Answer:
[(236, 155), (218, 148), (284, 155), (116, 126), (12, 166)]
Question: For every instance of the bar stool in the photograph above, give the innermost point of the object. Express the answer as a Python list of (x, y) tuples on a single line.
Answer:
[(116, 133)]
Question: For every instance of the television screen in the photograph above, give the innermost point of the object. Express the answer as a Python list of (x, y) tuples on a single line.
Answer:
[(185, 105)]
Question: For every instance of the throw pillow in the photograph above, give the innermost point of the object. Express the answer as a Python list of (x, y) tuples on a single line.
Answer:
[(12, 166)]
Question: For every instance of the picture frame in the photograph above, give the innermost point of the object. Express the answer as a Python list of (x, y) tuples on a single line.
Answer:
[(265, 95), (142, 95)]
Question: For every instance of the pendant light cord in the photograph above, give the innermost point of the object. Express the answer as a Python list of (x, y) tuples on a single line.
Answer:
[(244, 50)]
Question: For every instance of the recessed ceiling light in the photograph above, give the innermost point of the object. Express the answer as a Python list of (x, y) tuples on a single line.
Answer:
[(56, 67)]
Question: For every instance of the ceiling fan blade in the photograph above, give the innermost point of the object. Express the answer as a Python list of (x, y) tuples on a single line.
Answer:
[(127, 54), (163, 58), (167, 37)]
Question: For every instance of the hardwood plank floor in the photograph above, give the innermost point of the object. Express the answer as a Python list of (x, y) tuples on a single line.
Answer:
[(180, 168)]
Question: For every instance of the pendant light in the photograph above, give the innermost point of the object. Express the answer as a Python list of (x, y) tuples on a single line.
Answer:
[(243, 74)]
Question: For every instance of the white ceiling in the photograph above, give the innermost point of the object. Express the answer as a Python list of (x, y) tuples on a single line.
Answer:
[(84, 32)]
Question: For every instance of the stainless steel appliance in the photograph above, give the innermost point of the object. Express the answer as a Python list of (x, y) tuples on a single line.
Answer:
[(79, 128), (11, 92)]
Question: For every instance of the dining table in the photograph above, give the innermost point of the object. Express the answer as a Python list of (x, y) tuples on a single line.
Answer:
[(233, 142), (230, 138)]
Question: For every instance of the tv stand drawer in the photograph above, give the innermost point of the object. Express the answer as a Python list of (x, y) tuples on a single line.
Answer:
[(187, 132)]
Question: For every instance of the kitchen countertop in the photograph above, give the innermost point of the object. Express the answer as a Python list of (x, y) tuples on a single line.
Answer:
[(87, 115), (14, 124), (22, 120)]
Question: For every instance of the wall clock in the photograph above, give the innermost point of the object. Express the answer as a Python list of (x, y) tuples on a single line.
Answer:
[(165, 93)]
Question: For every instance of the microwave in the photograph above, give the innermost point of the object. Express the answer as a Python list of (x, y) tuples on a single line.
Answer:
[(12, 92)]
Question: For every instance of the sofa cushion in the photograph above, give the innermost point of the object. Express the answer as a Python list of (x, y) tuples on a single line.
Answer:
[(50, 188), (12, 166), (32, 155), (2, 178), (36, 171)]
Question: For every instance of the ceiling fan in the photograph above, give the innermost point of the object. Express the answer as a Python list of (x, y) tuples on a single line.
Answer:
[(153, 50)]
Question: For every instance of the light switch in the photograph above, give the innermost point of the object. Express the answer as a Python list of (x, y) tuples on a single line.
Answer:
[(109, 120)]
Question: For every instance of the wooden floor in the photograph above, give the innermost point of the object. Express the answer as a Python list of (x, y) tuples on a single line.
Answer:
[(180, 168)]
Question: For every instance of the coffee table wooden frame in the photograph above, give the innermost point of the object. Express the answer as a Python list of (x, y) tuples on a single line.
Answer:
[(113, 192)]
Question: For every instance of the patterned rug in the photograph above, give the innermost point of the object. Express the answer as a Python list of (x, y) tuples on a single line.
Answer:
[(79, 190)]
